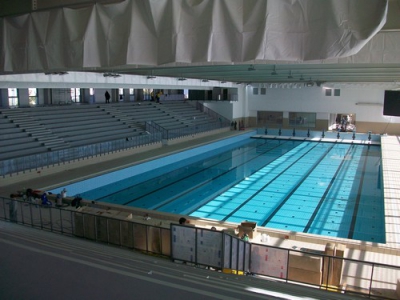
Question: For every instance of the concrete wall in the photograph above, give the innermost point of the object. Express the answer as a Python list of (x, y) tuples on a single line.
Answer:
[(366, 103)]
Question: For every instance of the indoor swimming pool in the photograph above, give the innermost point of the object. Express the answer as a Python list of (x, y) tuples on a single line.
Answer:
[(323, 188)]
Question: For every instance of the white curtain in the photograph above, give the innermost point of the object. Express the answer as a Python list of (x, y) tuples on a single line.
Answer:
[(172, 32)]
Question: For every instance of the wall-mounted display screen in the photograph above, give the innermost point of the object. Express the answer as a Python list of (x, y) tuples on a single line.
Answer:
[(391, 103)]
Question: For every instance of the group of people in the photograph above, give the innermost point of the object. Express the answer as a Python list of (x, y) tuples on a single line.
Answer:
[(39, 197), (235, 124), (35, 197), (345, 123), (157, 97)]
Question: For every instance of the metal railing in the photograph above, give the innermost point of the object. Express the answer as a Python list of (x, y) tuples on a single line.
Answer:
[(205, 247), (70, 221), (307, 133), (190, 129), (197, 125), (200, 106), (40, 160)]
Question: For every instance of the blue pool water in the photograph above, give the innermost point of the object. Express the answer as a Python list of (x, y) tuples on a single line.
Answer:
[(329, 189)]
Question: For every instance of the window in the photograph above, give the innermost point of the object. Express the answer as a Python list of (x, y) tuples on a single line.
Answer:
[(345, 122), (336, 92), (255, 91), (328, 92), (33, 97), (76, 95), (263, 91), (13, 97), (271, 118), (302, 119), (147, 94)]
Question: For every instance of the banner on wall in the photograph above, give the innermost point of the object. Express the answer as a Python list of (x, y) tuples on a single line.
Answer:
[(209, 248), (269, 261)]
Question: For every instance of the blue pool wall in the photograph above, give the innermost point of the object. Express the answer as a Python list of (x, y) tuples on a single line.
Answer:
[(375, 138), (173, 160)]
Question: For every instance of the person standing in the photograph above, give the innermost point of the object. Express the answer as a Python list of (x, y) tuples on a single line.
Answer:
[(107, 95), (13, 209), (64, 193)]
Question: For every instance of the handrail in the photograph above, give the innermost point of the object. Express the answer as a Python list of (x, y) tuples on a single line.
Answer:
[(55, 157), (200, 106)]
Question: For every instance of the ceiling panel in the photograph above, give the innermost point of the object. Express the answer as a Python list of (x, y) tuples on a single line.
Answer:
[(285, 73)]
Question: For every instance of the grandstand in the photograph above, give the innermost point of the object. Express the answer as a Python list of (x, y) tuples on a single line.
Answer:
[(66, 129)]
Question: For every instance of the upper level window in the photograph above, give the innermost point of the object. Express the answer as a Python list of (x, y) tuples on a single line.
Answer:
[(147, 94), (13, 97), (33, 96), (76, 95)]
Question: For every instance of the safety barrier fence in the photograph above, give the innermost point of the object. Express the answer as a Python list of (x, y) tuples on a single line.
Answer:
[(169, 134), (214, 249), (58, 157), (318, 134), (200, 106)]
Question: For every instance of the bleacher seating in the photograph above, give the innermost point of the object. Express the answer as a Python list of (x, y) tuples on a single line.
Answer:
[(15, 141), (34, 130)]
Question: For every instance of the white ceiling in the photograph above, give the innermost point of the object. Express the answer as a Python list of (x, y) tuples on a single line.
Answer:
[(376, 62), (280, 73)]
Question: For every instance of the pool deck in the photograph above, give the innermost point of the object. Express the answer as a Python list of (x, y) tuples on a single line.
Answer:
[(50, 177)]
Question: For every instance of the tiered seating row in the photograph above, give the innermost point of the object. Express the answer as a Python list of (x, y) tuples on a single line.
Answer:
[(26, 131), (15, 141), (169, 115), (188, 114), (36, 130)]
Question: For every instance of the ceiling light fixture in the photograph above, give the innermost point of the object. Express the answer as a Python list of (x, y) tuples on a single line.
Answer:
[(56, 73), (110, 74)]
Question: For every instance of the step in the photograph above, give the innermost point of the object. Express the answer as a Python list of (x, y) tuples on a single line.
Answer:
[(25, 124), (30, 127), (23, 120), (39, 133), (52, 145), (47, 138), (38, 136), (55, 148)]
